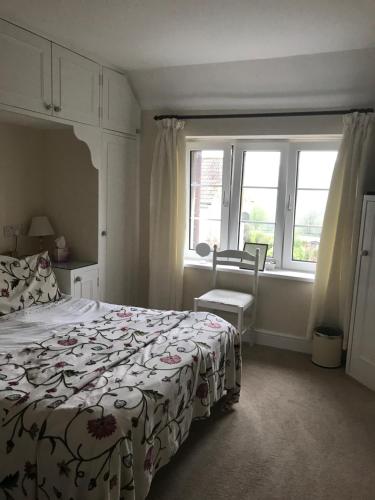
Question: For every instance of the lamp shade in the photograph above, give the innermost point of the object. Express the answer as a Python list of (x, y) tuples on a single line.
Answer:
[(40, 226)]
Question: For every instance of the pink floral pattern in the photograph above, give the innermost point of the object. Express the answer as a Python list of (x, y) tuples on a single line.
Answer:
[(67, 342), (102, 427), (171, 360), (25, 282), (94, 403), (124, 314), (202, 391), (150, 459)]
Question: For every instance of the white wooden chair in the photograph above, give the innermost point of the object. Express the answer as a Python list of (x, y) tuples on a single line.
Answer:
[(230, 300)]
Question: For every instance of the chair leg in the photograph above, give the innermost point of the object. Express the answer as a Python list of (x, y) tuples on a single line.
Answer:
[(253, 315)]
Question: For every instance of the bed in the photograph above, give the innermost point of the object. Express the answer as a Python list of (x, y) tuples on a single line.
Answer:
[(95, 398)]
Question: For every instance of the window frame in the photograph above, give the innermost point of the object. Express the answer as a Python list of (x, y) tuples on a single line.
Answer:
[(291, 197), (198, 145), (239, 150), (233, 164)]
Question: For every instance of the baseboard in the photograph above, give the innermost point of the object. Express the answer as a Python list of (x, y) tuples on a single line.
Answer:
[(278, 340)]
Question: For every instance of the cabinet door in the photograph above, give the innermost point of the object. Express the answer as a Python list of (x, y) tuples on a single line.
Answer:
[(121, 111), (362, 352), (75, 86), (85, 284), (25, 69), (121, 253)]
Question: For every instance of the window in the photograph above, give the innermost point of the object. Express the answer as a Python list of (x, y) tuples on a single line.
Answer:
[(260, 191), (205, 193), (209, 178)]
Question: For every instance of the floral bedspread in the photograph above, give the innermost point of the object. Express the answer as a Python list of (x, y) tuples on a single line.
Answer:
[(94, 410)]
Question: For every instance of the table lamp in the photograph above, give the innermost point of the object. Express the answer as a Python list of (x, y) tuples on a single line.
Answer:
[(40, 226)]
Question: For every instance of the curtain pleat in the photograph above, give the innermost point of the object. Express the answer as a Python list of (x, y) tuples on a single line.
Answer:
[(167, 217), (334, 278)]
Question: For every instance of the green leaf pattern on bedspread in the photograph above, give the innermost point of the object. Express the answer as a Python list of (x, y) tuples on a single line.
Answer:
[(97, 408)]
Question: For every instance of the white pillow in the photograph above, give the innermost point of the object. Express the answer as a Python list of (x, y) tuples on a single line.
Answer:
[(26, 281)]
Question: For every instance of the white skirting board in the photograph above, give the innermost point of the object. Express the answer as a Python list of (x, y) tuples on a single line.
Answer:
[(278, 340)]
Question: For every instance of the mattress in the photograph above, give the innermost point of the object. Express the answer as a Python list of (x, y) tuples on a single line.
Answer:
[(95, 398)]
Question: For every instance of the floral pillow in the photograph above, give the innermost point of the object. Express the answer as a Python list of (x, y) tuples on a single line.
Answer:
[(27, 281)]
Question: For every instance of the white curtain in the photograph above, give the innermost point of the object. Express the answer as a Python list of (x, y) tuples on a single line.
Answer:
[(167, 217), (334, 279)]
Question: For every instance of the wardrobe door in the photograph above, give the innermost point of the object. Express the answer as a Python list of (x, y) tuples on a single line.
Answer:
[(121, 253), (75, 86), (121, 111), (25, 69), (362, 353)]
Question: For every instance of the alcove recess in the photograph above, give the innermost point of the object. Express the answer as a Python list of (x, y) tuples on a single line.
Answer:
[(47, 168)]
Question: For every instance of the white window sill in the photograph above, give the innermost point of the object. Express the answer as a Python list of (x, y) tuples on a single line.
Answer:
[(277, 273)]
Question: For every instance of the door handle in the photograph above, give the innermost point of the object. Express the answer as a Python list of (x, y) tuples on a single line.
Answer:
[(365, 253)]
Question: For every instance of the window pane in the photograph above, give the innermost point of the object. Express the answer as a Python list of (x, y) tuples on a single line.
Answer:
[(315, 169), (306, 243), (258, 215), (207, 167), (204, 230), (206, 171), (206, 202), (258, 205), (314, 175), (310, 207), (257, 233), (261, 168)]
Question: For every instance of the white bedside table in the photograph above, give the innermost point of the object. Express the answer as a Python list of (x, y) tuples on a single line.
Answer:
[(79, 279)]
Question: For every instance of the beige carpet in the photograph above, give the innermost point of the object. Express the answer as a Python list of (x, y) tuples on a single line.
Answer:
[(300, 432)]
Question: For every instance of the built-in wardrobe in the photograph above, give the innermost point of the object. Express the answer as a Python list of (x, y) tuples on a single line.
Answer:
[(361, 352), (64, 96)]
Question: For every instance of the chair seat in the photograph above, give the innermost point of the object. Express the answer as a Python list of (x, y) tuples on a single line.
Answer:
[(228, 297)]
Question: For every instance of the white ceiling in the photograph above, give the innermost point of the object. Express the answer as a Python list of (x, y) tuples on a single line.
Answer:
[(221, 54), (331, 80), (153, 33)]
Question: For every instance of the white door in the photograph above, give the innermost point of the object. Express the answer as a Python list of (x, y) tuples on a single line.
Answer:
[(85, 284), (25, 69), (121, 111), (361, 364), (121, 254), (75, 86)]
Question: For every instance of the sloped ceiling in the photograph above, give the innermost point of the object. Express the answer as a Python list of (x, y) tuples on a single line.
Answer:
[(218, 53), (331, 80)]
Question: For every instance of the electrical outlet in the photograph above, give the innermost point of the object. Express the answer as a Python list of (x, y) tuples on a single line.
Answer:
[(11, 230)]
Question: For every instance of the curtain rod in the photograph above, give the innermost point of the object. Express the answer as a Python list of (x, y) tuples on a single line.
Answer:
[(267, 115)]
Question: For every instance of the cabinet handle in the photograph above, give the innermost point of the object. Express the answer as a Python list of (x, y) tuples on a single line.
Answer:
[(57, 108), (47, 106), (365, 253), (104, 233), (77, 279)]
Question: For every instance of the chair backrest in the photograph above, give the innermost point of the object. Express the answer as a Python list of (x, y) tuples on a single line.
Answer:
[(236, 258)]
